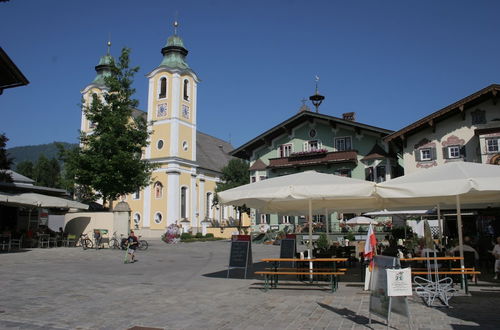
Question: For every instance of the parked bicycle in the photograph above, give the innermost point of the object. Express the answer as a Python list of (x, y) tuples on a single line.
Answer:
[(115, 241), (85, 242), (143, 244)]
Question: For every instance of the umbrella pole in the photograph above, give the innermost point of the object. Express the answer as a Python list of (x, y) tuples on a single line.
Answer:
[(310, 228), (440, 225), (460, 238)]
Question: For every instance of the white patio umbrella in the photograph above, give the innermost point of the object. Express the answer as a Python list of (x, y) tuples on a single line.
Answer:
[(303, 193), (360, 220), (39, 200), (451, 184)]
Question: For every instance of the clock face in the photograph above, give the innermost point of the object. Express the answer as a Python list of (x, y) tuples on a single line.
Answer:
[(162, 110), (185, 111)]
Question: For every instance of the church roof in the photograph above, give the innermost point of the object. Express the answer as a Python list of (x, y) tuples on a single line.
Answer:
[(212, 153)]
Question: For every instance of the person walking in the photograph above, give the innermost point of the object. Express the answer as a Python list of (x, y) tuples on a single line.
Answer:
[(133, 243), (496, 254)]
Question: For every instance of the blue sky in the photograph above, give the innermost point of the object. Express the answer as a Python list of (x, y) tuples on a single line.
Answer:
[(391, 62)]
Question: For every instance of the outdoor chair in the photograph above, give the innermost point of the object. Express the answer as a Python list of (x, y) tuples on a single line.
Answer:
[(5, 242), (70, 240), (16, 242), (43, 240)]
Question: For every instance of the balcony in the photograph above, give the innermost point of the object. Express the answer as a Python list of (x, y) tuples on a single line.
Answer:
[(314, 158)]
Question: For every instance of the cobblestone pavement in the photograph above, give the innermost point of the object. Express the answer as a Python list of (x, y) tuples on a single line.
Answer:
[(184, 286)]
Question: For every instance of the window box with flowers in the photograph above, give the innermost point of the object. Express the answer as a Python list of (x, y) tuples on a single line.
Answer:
[(308, 154)]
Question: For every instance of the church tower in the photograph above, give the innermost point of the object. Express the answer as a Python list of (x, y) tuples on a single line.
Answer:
[(97, 86), (172, 112)]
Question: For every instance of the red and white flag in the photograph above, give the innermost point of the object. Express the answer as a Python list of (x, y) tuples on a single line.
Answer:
[(370, 247)]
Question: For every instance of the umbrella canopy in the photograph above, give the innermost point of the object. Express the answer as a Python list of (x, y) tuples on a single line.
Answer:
[(361, 221), (290, 194), (475, 183), (39, 200)]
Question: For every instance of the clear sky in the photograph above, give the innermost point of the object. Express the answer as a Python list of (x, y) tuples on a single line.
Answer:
[(391, 62)]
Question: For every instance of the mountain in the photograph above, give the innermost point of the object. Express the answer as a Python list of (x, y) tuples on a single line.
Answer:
[(32, 153)]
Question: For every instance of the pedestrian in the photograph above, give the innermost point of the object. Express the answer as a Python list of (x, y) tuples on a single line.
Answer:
[(97, 238), (496, 254), (133, 243)]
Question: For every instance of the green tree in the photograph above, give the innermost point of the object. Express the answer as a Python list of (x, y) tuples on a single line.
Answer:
[(110, 160), (234, 174), (5, 161), (47, 172), (25, 168)]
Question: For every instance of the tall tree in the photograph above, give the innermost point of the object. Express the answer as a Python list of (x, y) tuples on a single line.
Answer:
[(25, 168), (5, 161), (234, 174), (110, 161), (47, 172)]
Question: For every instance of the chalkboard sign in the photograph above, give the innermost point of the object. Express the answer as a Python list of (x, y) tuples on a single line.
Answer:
[(288, 248), (381, 303), (240, 256)]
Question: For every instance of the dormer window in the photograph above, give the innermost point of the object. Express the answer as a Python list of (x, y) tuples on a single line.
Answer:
[(163, 88)]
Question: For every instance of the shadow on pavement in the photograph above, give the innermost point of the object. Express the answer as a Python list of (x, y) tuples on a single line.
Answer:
[(349, 314)]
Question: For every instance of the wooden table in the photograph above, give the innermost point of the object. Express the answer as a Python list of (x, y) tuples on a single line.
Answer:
[(271, 276)]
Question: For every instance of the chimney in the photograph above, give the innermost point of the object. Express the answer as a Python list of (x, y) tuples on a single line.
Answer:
[(349, 116)]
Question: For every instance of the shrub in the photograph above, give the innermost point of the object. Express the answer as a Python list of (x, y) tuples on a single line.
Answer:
[(198, 235), (186, 236), (209, 235)]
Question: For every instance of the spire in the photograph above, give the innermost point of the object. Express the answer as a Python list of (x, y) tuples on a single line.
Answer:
[(317, 98), (103, 68), (174, 52)]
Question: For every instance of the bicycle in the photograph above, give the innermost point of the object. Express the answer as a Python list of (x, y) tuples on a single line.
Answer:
[(85, 242), (143, 244), (115, 242)]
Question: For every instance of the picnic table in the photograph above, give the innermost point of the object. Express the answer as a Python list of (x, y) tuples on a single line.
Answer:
[(304, 268)]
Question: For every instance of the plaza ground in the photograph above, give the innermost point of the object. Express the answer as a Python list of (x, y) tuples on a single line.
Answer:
[(184, 286)]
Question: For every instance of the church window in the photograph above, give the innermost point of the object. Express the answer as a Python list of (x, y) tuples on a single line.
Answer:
[(137, 218), (343, 143), (137, 194), (158, 217), (158, 189), (186, 90), (183, 202), (185, 145), (163, 88), (159, 145)]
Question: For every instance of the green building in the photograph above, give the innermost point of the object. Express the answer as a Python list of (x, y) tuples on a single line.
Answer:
[(323, 143)]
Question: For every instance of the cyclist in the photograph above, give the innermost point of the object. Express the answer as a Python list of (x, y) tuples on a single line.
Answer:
[(132, 246)]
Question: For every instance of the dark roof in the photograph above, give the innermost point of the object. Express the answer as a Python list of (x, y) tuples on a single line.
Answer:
[(10, 75), (376, 153), (286, 126), (258, 165), (455, 108), (212, 153)]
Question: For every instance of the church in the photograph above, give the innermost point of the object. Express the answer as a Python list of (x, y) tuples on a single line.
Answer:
[(188, 161)]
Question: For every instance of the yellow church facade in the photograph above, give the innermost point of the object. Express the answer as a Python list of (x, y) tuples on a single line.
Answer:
[(188, 161)]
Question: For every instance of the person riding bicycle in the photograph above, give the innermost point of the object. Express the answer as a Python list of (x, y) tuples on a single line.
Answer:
[(133, 243)]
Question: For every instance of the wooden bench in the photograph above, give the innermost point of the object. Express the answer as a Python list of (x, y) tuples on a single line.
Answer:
[(271, 276)]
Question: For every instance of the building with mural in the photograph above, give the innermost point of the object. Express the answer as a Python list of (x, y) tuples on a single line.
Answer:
[(189, 161), (311, 140)]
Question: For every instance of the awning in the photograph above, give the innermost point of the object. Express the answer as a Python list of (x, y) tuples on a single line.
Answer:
[(39, 200)]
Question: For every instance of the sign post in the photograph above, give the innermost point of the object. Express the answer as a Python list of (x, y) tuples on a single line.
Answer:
[(389, 288), (241, 253)]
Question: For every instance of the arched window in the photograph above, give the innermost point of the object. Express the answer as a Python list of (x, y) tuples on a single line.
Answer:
[(137, 218), (163, 88), (183, 202), (158, 189), (158, 217), (186, 89)]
